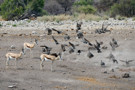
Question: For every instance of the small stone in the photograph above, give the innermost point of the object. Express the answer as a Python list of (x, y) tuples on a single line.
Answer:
[(12, 47), (34, 32), (83, 71), (64, 73), (12, 86)]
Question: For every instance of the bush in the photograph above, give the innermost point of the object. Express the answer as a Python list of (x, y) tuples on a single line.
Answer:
[(11, 9), (20, 9), (83, 2), (86, 9), (123, 8)]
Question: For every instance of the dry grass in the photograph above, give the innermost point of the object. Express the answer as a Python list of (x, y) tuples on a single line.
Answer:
[(94, 81), (89, 17), (54, 18), (1, 19), (63, 17)]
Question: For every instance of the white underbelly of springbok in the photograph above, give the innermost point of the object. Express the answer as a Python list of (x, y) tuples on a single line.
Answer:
[(11, 58), (47, 59)]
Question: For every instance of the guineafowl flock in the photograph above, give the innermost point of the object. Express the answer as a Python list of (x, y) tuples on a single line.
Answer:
[(69, 46)]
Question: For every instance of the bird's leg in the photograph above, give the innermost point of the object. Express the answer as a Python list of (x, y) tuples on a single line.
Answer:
[(52, 66), (41, 64), (24, 51), (31, 54), (15, 63), (7, 63)]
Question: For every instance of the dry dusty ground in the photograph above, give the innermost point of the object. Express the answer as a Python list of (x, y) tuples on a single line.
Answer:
[(75, 72)]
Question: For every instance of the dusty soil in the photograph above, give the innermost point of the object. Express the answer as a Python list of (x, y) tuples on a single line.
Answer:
[(75, 72)]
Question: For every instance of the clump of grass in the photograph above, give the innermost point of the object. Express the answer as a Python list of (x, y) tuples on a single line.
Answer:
[(105, 17), (120, 17), (133, 18), (14, 25), (1, 19), (1, 25), (28, 20)]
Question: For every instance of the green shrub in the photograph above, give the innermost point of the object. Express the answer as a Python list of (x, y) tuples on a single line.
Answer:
[(1, 25), (20, 9), (87, 9), (14, 25), (123, 8), (11, 9), (83, 2)]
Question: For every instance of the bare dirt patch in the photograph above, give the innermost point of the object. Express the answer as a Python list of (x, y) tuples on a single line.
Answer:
[(75, 72)]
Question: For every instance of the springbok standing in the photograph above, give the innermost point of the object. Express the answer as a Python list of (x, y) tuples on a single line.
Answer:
[(51, 57), (14, 56), (29, 46)]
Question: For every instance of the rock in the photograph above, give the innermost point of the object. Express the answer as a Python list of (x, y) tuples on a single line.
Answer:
[(64, 73), (12, 86), (82, 71), (12, 47), (20, 34), (34, 32)]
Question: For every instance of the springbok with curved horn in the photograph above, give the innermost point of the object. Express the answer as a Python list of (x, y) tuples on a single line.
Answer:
[(29, 46), (14, 56), (51, 57)]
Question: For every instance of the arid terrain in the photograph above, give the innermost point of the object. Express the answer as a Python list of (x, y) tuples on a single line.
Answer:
[(75, 72)]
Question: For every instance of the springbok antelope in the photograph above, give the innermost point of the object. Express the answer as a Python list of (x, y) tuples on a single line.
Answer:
[(14, 56), (29, 46), (51, 57)]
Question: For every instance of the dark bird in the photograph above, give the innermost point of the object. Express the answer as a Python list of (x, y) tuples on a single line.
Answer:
[(79, 35), (49, 31), (59, 32), (90, 55), (98, 43), (63, 47), (84, 40), (126, 75), (78, 26), (79, 51), (114, 60), (97, 48), (56, 42), (115, 42), (102, 63), (127, 61), (71, 44), (66, 37), (111, 56), (46, 49), (112, 45), (71, 50)]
